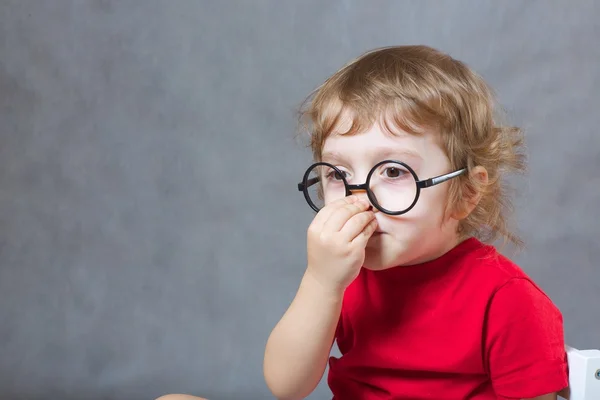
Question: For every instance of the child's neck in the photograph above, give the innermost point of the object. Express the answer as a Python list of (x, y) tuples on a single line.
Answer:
[(439, 251)]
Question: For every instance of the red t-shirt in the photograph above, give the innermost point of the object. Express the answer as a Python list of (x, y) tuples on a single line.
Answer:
[(468, 325)]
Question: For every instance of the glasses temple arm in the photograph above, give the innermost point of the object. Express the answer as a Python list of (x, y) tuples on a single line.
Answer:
[(309, 183), (439, 179)]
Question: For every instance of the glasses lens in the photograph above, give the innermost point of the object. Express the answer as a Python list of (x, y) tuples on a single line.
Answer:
[(324, 185), (393, 187)]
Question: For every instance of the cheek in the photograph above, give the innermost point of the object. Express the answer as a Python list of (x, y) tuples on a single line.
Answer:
[(431, 205), (428, 214)]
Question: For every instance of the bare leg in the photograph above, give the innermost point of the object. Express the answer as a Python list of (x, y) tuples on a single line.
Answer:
[(179, 397)]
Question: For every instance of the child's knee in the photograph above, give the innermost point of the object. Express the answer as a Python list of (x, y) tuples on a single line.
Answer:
[(179, 397)]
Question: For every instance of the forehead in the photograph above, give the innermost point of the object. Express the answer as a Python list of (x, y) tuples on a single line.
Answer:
[(378, 143)]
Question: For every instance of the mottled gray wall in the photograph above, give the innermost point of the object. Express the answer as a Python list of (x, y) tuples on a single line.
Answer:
[(151, 234)]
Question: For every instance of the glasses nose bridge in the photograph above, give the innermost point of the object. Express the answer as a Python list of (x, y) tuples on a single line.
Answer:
[(359, 190)]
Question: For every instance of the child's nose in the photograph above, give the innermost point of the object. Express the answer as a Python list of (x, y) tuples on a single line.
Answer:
[(362, 195)]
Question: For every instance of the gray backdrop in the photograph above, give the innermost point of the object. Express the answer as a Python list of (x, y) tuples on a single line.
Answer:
[(151, 231)]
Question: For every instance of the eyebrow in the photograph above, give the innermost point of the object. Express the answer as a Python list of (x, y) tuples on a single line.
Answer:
[(380, 153)]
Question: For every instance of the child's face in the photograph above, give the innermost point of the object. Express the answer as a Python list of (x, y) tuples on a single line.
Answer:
[(423, 233)]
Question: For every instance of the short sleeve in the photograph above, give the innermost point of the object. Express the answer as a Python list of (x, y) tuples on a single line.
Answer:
[(524, 342), (339, 330)]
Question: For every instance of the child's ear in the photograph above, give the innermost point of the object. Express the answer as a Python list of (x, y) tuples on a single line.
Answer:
[(472, 193)]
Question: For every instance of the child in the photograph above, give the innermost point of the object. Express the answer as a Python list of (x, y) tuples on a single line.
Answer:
[(408, 185)]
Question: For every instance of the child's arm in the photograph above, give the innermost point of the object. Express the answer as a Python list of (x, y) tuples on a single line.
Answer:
[(298, 349)]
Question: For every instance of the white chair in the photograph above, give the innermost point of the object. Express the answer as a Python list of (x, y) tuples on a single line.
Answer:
[(584, 374)]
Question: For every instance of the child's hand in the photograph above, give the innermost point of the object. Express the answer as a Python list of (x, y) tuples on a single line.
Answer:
[(337, 239)]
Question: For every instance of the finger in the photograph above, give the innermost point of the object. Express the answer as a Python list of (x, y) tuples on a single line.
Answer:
[(342, 214), (356, 224), (324, 214), (362, 238)]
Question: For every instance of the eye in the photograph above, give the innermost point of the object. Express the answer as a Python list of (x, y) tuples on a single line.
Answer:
[(394, 172), (335, 175)]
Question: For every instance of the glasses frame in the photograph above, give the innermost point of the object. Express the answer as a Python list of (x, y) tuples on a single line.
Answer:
[(308, 182)]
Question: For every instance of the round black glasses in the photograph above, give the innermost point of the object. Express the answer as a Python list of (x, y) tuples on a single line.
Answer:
[(392, 186)]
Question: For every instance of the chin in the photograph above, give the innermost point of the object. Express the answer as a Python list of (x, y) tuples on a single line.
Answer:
[(375, 267), (385, 252), (376, 260)]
